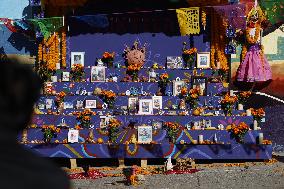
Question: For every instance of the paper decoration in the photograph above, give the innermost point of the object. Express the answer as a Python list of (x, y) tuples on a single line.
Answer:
[(188, 19), (73, 136)]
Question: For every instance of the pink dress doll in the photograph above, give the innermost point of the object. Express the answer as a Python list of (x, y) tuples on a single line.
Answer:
[(254, 66)]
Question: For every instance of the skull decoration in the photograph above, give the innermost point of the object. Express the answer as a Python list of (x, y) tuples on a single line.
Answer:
[(135, 55)]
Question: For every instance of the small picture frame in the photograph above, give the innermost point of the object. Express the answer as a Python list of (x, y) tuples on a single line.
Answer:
[(65, 76), (157, 124), (98, 74), (157, 102), (203, 60), (73, 136), (145, 134), (41, 106), (132, 103), (145, 107), (68, 105), (77, 58), (92, 104), (177, 86), (48, 103), (201, 83), (174, 62)]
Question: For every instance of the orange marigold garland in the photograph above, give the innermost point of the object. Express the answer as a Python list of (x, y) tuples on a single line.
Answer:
[(63, 50), (128, 150)]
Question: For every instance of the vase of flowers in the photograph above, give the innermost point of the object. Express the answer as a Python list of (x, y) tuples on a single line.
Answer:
[(163, 83), (45, 71), (242, 99), (189, 56), (49, 132), (227, 104), (238, 131), (108, 97), (172, 130), (113, 128), (108, 59), (258, 114), (190, 96), (133, 70), (77, 72), (84, 118), (59, 101)]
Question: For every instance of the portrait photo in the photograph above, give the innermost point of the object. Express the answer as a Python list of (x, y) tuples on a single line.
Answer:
[(77, 58), (145, 106), (157, 102), (174, 62), (98, 74), (132, 103), (66, 76), (200, 83), (177, 86), (203, 60), (90, 104)]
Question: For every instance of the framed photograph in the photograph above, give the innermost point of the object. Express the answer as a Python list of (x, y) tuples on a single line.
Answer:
[(157, 124), (92, 104), (174, 62), (177, 86), (77, 58), (73, 136), (48, 103), (203, 60), (104, 120), (79, 104), (41, 106), (157, 102), (144, 134), (145, 106), (65, 76), (68, 105), (98, 74), (200, 82)]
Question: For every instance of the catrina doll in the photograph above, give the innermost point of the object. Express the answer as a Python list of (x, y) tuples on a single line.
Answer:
[(254, 66)]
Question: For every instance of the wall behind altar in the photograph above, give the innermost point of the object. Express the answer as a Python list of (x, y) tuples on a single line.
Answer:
[(158, 45)]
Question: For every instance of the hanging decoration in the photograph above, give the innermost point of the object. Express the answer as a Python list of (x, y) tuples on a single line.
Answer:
[(63, 50), (203, 19), (188, 19), (48, 25)]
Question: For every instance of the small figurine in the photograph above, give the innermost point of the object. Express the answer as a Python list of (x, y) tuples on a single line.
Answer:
[(182, 104), (168, 165)]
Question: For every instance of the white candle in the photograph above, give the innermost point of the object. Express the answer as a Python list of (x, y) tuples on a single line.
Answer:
[(240, 107), (255, 125), (231, 93), (218, 65), (63, 21), (260, 138), (200, 139), (58, 66), (248, 111)]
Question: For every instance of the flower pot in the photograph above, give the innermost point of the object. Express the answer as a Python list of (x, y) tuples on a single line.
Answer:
[(240, 107)]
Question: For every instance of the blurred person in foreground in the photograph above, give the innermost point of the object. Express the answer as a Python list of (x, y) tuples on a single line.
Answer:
[(20, 168)]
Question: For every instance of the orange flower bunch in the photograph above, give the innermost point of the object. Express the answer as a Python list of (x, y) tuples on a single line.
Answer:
[(240, 129), (114, 123), (49, 132), (172, 126), (77, 72), (229, 99), (63, 50), (190, 51), (267, 142), (243, 96), (60, 98), (194, 93), (164, 77), (133, 68), (108, 55), (40, 53), (84, 118), (51, 127), (108, 94), (62, 94), (257, 113), (77, 68), (183, 91)]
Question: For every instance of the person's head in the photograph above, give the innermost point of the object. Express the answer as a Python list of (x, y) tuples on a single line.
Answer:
[(19, 90)]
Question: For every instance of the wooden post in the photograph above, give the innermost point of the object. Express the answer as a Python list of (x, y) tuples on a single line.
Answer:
[(121, 162), (143, 163), (73, 163)]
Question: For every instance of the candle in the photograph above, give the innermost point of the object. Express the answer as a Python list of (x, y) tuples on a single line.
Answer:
[(260, 138), (200, 139), (58, 66), (218, 65), (231, 93), (255, 125), (248, 111), (240, 107)]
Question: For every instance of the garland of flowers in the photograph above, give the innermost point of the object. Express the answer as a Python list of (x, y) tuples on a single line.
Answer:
[(131, 153), (63, 50)]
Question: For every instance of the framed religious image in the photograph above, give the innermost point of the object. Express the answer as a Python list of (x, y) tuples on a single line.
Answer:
[(203, 60), (157, 102), (144, 134), (73, 136), (200, 83), (177, 86), (98, 74), (174, 62), (145, 106), (48, 103), (92, 104), (157, 124), (65, 76), (77, 58)]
